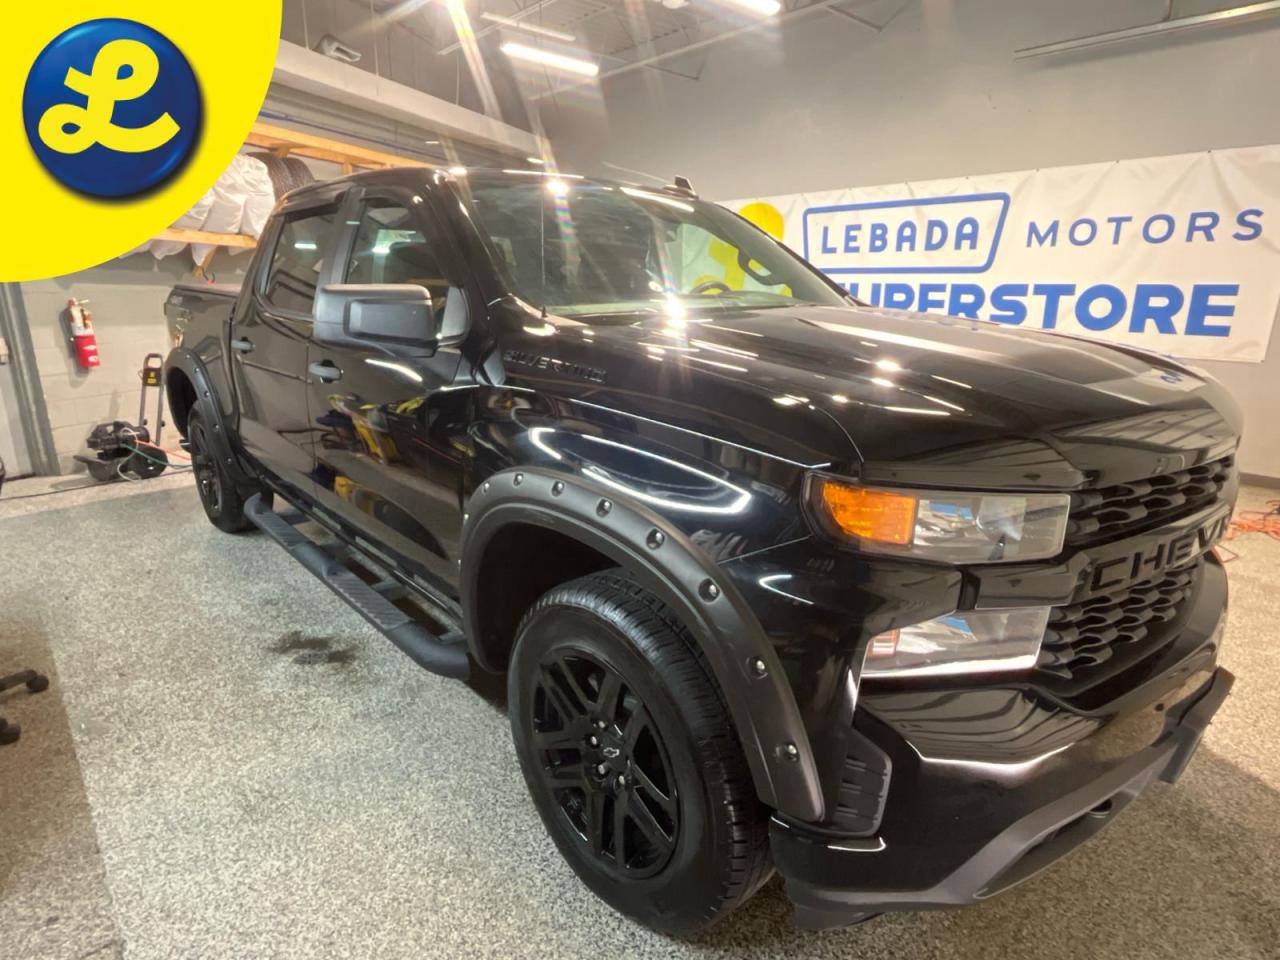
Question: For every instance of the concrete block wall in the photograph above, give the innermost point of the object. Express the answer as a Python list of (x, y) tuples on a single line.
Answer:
[(126, 298)]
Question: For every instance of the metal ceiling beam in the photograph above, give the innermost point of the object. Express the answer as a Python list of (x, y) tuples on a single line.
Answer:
[(1217, 18), (785, 17), (298, 68), (522, 14)]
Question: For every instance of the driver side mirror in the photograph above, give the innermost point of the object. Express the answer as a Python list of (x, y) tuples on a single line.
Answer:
[(397, 317)]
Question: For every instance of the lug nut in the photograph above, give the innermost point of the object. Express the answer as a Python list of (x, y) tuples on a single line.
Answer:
[(758, 667), (601, 769), (594, 741), (600, 724), (622, 780), (790, 751)]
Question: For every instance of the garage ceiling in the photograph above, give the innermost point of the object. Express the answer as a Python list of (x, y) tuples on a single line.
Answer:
[(620, 35)]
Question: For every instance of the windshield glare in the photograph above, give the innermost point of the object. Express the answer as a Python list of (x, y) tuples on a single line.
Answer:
[(579, 248)]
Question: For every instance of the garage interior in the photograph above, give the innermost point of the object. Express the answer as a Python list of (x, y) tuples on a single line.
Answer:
[(230, 762)]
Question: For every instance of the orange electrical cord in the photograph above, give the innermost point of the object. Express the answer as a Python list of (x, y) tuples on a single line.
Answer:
[(1257, 521)]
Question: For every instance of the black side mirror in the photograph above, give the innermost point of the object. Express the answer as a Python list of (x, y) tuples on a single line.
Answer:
[(397, 317)]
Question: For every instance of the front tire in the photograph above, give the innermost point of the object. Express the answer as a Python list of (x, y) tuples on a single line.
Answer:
[(222, 502), (631, 756)]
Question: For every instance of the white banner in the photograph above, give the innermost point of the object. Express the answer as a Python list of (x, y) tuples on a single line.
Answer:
[(1177, 254)]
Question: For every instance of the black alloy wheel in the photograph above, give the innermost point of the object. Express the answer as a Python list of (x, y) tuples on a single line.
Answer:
[(631, 757), (222, 502), (205, 468), (603, 759)]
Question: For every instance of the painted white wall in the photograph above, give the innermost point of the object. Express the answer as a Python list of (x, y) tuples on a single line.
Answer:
[(824, 103), (126, 298), (13, 444)]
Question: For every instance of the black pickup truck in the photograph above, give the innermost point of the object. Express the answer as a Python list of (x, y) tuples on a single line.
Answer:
[(903, 606)]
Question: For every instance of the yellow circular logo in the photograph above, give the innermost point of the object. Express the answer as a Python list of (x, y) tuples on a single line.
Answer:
[(122, 115)]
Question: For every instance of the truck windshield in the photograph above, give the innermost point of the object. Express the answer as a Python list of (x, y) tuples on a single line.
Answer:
[(582, 249)]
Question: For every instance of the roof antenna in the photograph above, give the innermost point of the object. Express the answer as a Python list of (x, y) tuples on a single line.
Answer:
[(682, 183)]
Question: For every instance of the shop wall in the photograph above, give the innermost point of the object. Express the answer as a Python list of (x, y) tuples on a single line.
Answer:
[(823, 103), (127, 299)]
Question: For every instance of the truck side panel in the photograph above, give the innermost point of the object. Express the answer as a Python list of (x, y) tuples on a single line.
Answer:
[(203, 313)]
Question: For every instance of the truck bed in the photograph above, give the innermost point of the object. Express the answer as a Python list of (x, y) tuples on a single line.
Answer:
[(203, 306), (207, 290)]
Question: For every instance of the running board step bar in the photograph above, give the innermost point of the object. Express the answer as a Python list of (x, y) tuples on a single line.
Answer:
[(446, 656)]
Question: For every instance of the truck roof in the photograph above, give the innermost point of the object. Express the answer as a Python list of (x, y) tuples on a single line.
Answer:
[(456, 174)]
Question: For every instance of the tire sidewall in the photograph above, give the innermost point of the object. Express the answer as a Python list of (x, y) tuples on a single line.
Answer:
[(687, 888), (228, 515)]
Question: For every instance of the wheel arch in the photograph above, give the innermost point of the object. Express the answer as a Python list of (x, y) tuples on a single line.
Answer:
[(608, 531), (182, 397), (187, 383)]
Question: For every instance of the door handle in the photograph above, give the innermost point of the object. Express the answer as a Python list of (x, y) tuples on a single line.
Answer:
[(326, 371), (242, 346)]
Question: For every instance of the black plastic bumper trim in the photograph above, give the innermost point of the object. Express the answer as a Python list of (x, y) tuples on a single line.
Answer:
[(1025, 847)]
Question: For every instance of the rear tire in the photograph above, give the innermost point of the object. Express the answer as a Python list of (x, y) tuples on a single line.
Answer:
[(222, 502), (631, 756)]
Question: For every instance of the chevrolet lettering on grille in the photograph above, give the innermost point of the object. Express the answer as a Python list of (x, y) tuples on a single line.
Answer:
[(1173, 551)]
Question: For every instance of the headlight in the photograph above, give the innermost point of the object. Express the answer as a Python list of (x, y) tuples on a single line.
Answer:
[(967, 641), (955, 527)]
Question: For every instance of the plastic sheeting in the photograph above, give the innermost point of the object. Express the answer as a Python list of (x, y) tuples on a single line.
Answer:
[(193, 219), (240, 202)]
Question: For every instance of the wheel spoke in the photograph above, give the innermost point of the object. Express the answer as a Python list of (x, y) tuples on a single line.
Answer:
[(595, 821), (644, 782), (562, 739), (620, 805), (560, 700), (610, 697), (637, 723), (570, 774), (648, 825), (575, 688)]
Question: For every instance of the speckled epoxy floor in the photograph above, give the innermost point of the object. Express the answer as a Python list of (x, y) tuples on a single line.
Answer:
[(231, 764)]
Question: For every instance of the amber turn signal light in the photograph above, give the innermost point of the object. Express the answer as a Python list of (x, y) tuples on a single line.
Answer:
[(870, 514)]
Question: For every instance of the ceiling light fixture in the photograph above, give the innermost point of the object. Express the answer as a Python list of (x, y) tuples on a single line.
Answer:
[(528, 27), (557, 61)]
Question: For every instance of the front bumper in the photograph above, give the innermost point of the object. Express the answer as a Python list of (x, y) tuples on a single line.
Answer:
[(1028, 824)]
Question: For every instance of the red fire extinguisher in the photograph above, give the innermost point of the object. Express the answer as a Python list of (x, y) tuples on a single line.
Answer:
[(82, 334)]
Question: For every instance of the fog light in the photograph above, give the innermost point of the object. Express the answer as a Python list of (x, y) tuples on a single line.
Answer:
[(967, 641)]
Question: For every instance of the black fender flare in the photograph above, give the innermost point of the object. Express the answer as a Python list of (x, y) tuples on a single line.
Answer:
[(668, 563), (189, 363)]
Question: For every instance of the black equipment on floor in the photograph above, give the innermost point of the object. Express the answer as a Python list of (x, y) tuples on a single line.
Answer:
[(36, 683), (120, 447)]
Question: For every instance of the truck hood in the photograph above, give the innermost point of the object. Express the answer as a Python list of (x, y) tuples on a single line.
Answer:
[(908, 397)]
